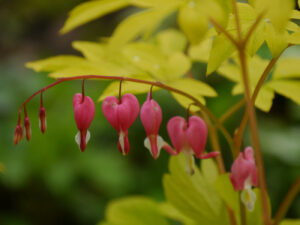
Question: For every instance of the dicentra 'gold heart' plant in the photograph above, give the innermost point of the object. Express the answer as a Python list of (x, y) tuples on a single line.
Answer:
[(141, 56)]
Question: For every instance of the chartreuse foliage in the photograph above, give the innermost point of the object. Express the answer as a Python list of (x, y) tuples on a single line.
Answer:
[(140, 48), (168, 55), (192, 200)]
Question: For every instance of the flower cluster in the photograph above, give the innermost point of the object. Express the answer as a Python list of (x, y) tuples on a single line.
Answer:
[(188, 136)]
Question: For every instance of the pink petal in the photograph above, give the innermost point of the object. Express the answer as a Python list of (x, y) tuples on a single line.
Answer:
[(127, 111), (176, 130), (196, 134), (83, 111), (151, 116), (109, 109)]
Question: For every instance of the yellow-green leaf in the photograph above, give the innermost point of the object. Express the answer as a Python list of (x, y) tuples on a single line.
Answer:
[(264, 99), (134, 211), (171, 41), (199, 201), (256, 40), (287, 68), (256, 67), (291, 26), (147, 57), (193, 87), (171, 212), (290, 221), (277, 41), (221, 50), (276, 11), (192, 21), (287, 88), (295, 14), (177, 65), (209, 170), (152, 3), (201, 51), (91, 50), (137, 24), (55, 63), (91, 10), (225, 189), (294, 38)]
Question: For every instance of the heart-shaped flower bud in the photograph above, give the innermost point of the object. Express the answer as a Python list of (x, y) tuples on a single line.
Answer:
[(27, 127), (189, 137), (151, 117), (84, 111), (42, 119), (244, 176), (18, 136), (121, 114)]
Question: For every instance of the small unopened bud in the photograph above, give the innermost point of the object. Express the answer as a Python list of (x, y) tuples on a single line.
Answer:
[(18, 134), (42, 119), (27, 128)]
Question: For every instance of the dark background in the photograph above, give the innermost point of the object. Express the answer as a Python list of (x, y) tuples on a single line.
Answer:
[(48, 180)]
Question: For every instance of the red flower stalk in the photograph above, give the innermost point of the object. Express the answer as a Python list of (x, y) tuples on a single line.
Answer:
[(84, 111), (189, 137), (244, 176), (121, 114)]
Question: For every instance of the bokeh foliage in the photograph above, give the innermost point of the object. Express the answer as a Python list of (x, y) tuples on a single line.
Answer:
[(48, 178)]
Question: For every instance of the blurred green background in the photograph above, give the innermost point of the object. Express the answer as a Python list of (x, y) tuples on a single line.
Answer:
[(48, 180)]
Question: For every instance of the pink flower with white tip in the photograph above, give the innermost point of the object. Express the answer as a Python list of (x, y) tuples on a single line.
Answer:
[(244, 176), (84, 111), (189, 137), (151, 117), (121, 114)]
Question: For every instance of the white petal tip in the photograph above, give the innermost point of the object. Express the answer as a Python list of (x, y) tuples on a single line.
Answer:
[(248, 197), (78, 137), (159, 141)]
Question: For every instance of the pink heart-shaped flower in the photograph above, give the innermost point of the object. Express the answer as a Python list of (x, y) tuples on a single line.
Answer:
[(84, 111), (151, 117), (191, 136), (121, 115)]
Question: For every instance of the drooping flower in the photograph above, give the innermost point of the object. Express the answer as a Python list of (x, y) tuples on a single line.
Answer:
[(27, 127), (84, 111), (42, 119), (151, 117), (18, 136), (189, 137), (244, 176), (121, 114)]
